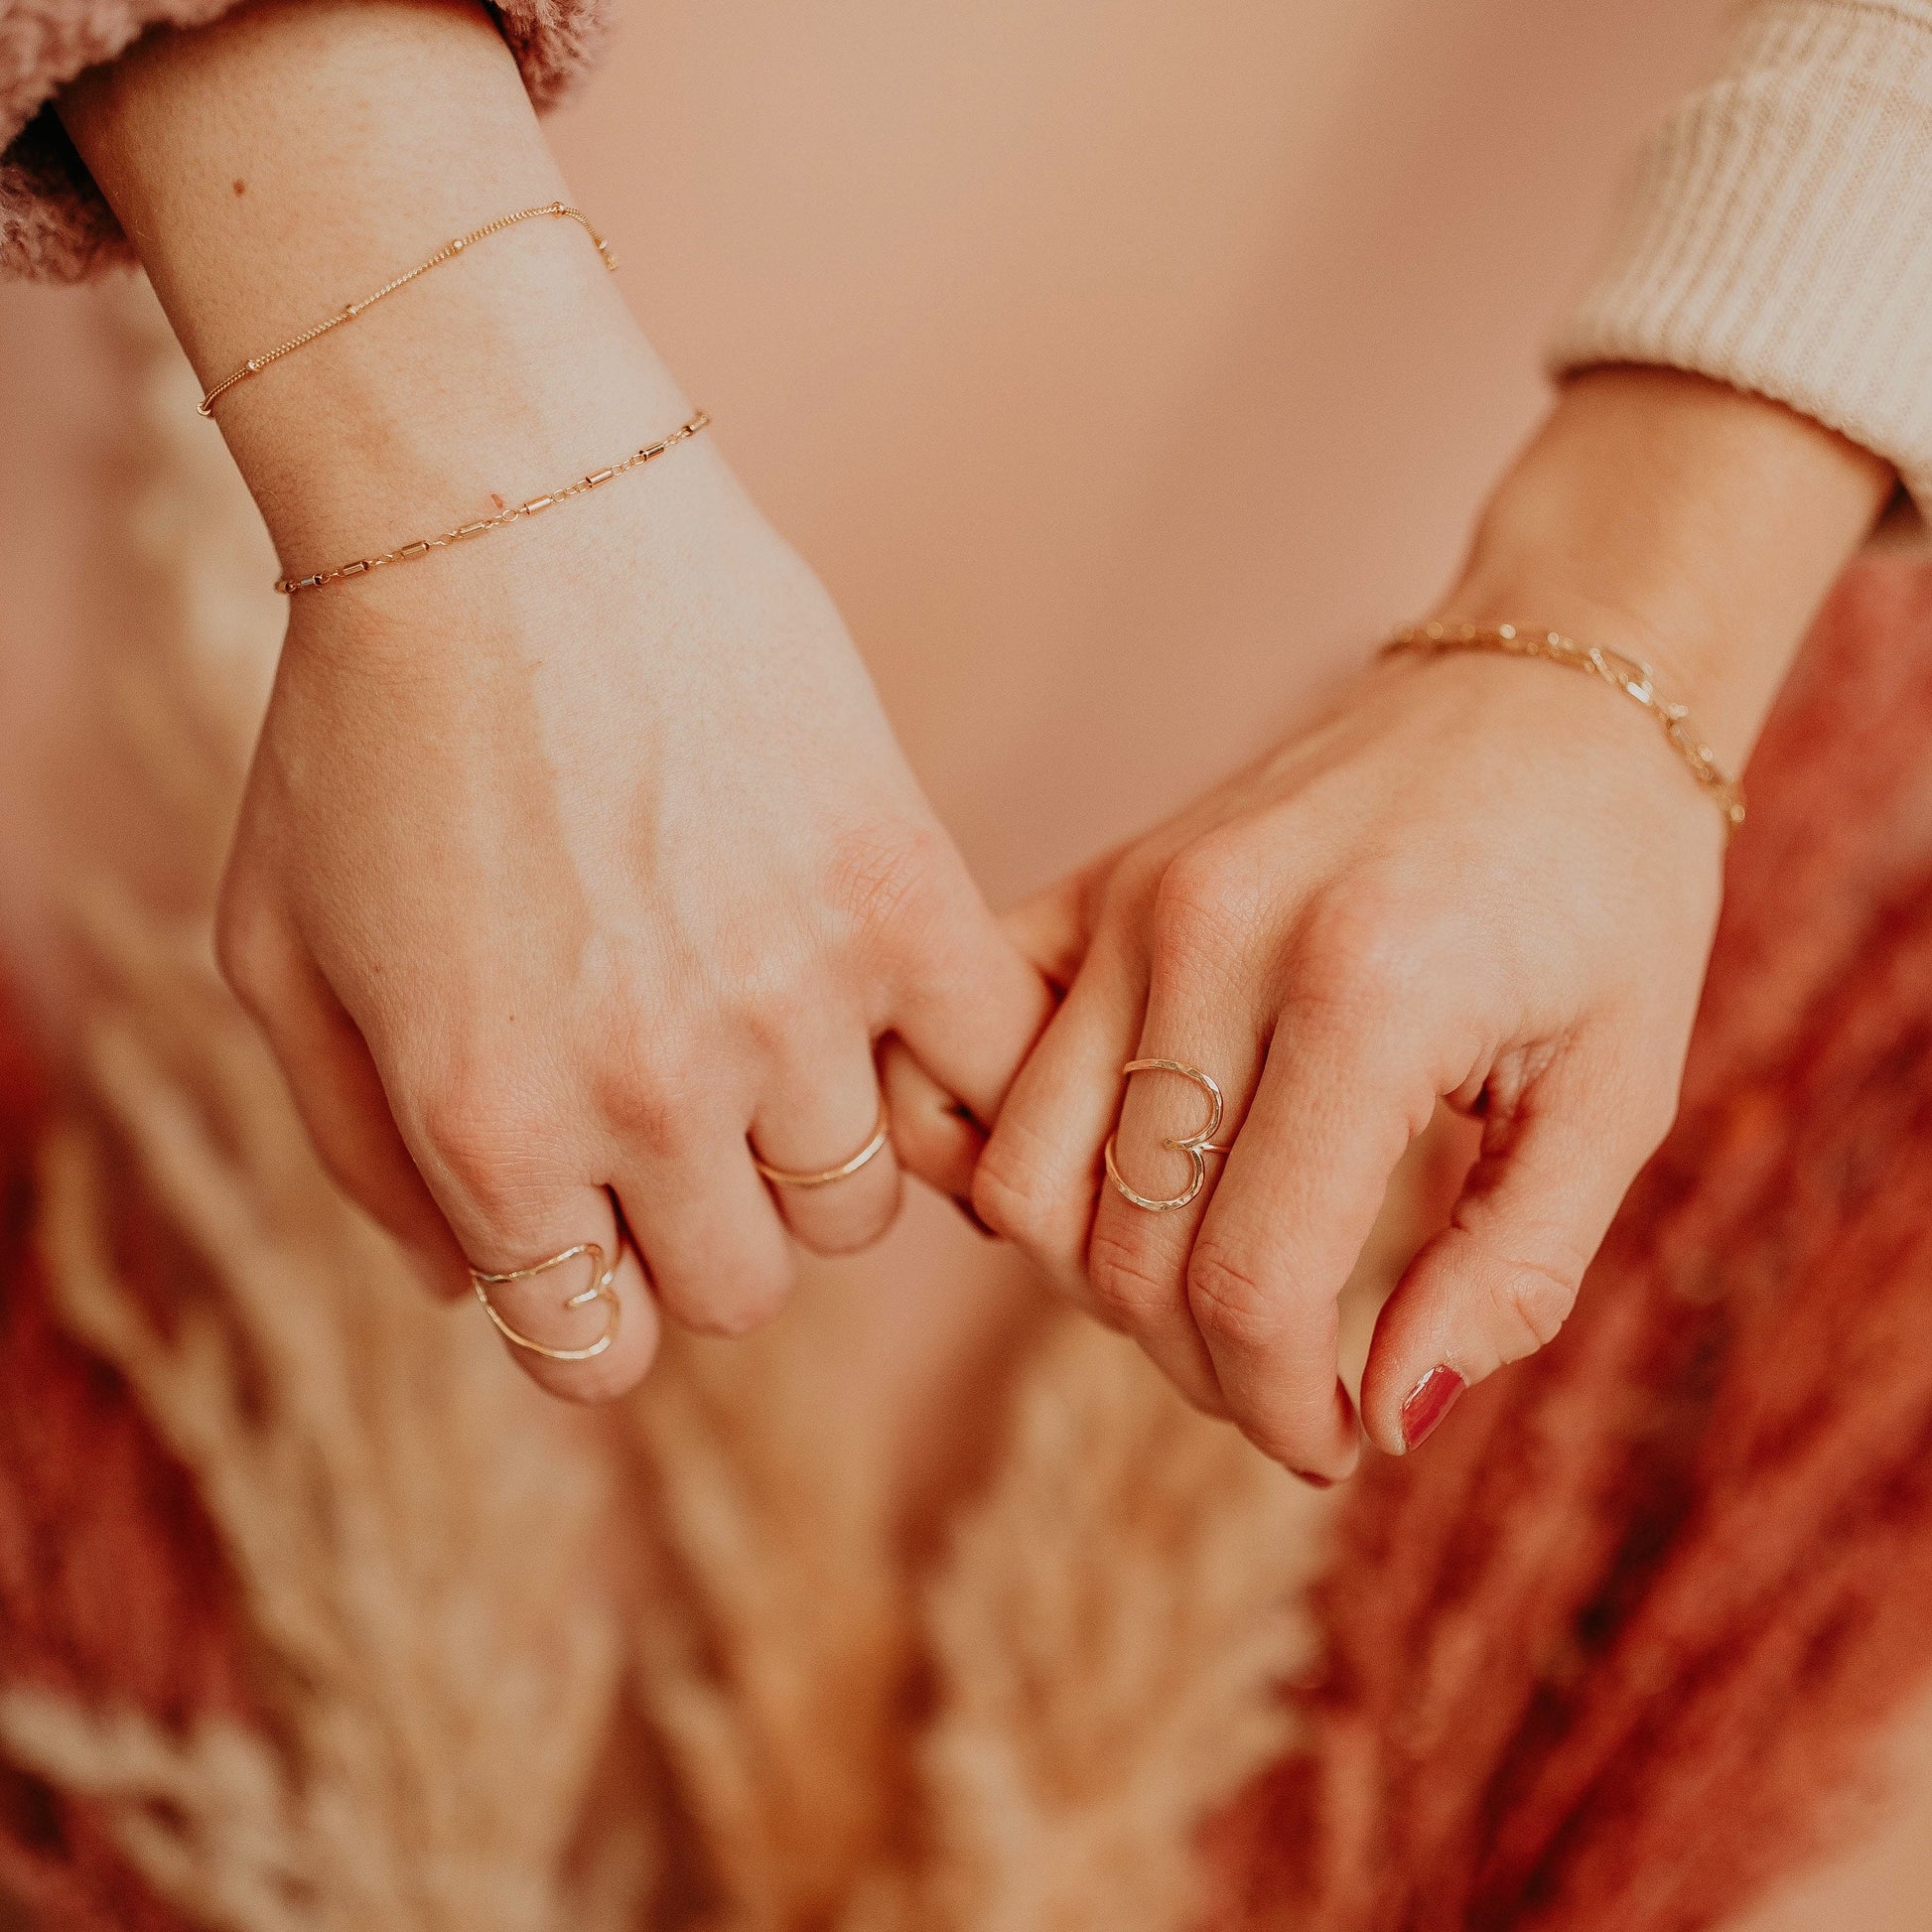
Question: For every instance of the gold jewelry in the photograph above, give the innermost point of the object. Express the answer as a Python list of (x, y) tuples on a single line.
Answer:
[(600, 1290), (1196, 1147), (422, 546), (1630, 676), (789, 1178), (449, 251)]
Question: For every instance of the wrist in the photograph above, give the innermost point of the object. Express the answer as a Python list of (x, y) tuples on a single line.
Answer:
[(296, 156), (1725, 713), (498, 381), (1679, 522)]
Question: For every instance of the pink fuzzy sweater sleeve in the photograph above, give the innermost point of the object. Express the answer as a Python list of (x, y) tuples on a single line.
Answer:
[(53, 224)]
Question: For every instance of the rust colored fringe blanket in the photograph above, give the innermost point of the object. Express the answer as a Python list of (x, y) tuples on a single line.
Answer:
[(111, 1583), (1603, 1655)]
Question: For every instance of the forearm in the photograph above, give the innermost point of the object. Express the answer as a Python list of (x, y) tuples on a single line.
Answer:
[(1682, 521), (294, 157)]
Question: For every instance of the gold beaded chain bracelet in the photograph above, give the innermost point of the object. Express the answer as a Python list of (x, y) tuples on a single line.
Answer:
[(421, 547), (448, 252), (1630, 676)]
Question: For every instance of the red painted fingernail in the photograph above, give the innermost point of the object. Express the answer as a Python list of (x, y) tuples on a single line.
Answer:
[(1312, 1480), (1429, 1401)]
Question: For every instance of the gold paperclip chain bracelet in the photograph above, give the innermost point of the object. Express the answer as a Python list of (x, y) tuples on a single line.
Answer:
[(448, 252), (422, 546), (1630, 676)]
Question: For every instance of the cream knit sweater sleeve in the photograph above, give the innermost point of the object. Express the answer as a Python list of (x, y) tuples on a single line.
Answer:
[(1777, 233)]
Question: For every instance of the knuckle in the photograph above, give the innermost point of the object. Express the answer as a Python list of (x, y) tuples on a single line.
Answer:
[(651, 1107), (1533, 1301), (776, 1008), (885, 881), (1124, 1283), (1205, 910), (493, 1139), (1364, 948), (1230, 1299)]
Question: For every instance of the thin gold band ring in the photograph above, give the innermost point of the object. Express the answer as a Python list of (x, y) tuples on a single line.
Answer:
[(882, 1133), (600, 1290), (1196, 1147)]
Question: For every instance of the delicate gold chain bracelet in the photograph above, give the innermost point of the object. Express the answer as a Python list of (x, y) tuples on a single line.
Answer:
[(422, 546), (449, 251), (1630, 676)]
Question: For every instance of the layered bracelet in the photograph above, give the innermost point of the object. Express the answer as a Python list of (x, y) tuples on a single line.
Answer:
[(483, 525), (422, 546), (1630, 676), (448, 252)]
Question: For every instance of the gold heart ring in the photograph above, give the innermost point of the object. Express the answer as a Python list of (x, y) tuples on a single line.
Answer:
[(1196, 1147), (600, 1290)]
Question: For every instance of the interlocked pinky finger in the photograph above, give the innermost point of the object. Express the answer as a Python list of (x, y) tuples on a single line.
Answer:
[(1038, 1179), (933, 1135)]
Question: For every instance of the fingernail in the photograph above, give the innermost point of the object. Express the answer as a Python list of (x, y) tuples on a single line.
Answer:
[(1429, 1401), (1312, 1480)]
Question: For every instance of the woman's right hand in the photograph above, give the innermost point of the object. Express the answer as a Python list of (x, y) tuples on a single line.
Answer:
[(575, 865), (577, 862)]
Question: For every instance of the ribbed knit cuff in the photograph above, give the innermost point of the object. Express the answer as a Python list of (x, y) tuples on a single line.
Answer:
[(1778, 233)]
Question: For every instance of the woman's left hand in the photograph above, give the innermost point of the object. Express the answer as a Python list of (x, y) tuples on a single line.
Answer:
[(1482, 880)]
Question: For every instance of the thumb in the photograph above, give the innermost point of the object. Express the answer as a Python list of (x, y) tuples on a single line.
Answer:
[(1500, 1281)]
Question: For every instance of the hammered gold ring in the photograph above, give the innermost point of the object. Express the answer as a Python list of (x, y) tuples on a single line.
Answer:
[(600, 1290), (882, 1134), (1196, 1147)]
